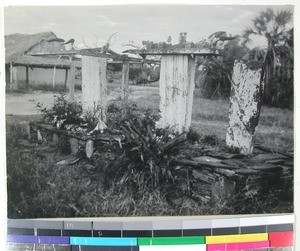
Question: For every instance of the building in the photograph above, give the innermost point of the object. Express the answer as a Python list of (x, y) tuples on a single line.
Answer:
[(23, 70)]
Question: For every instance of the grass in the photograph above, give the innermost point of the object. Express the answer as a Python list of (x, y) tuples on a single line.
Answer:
[(210, 117), (39, 188)]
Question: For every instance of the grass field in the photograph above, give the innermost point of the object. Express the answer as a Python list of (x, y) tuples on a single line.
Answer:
[(39, 188), (210, 117)]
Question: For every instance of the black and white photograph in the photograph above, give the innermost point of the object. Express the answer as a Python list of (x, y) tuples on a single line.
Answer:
[(149, 110)]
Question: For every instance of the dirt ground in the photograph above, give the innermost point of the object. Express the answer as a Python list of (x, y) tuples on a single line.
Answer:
[(21, 104)]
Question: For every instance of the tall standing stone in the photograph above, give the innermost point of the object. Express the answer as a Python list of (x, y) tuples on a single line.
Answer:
[(245, 104), (177, 83), (94, 87)]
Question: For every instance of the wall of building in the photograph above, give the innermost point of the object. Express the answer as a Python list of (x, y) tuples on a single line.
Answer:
[(36, 76), (45, 76), (41, 76)]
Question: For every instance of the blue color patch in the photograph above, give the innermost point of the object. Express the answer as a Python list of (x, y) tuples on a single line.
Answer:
[(22, 238), (98, 241)]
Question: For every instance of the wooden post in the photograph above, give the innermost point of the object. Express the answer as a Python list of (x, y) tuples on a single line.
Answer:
[(71, 82), (11, 75), (27, 75), (125, 80), (66, 77), (125, 87), (245, 104), (53, 78), (177, 83), (94, 86)]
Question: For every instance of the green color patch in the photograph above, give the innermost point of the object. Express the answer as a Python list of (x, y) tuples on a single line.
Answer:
[(171, 241)]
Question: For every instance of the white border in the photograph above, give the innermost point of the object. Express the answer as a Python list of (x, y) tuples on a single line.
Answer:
[(3, 202)]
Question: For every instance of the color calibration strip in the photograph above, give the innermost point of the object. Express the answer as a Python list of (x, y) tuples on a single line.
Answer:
[(208, 243), (248, 233)]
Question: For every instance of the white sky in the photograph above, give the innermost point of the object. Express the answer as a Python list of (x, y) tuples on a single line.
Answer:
[(132, 22)]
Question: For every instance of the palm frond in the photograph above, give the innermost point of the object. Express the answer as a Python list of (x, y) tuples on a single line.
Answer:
[(283, 17)]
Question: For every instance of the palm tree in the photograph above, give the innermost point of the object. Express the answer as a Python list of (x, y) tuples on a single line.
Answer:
[(274, 28)]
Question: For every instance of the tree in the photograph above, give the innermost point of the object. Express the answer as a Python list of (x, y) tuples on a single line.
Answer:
[(215, 74), (273, 26)]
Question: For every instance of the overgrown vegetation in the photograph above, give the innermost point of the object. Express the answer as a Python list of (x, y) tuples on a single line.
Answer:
[(145, 163), (278, 57), (138, 179)]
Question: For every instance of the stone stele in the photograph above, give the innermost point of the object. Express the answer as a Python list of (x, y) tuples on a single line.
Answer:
[(245, 104)]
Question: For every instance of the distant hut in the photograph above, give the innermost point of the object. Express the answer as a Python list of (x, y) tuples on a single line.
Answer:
[(23, 69)]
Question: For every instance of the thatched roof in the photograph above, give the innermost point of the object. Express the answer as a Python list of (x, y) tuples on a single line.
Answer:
[(17, 45), (36, 61)]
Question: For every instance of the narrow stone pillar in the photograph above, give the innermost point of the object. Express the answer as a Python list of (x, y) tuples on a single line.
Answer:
[(245, 104), (94, 87), (177, 83)]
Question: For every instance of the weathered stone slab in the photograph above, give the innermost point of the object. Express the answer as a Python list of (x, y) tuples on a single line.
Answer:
[(245, 103), (275, 161), (246, 171), (214, 164), (225, 172), (94, 86), (234, 163), (223, 155), (266, 167), (207, 159), (74, 144), (223, 190), (267, 157), (289, 163), (203, 177), (176, 87)]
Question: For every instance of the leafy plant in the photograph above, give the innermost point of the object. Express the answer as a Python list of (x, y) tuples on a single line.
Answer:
[(63, 112), (145, 162), (215, 74)]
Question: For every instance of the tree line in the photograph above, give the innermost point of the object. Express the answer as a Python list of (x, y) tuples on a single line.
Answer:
[(276, 59)]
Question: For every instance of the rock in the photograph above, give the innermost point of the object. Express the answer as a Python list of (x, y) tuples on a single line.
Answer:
[(226, 155), (267, 157), (74, 145), (247, 171), (209, 162), (266, 167), (55, 138), (234, 163), (223, 190), (70, 160), (39, 135), (289, 163), (245, 103), (207, 159), (275, 161), (199, 175), (224, 172), (90, 167)]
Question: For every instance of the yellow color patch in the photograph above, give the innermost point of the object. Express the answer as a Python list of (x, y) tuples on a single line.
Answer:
[(236, 238)]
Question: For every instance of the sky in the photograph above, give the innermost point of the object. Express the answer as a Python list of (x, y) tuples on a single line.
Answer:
[(94, 24)]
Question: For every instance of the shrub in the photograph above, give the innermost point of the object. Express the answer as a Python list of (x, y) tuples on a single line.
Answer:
[(63, 112), (146, 157)]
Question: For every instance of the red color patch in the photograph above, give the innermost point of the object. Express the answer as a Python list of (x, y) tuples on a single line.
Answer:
[(281, 239)]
